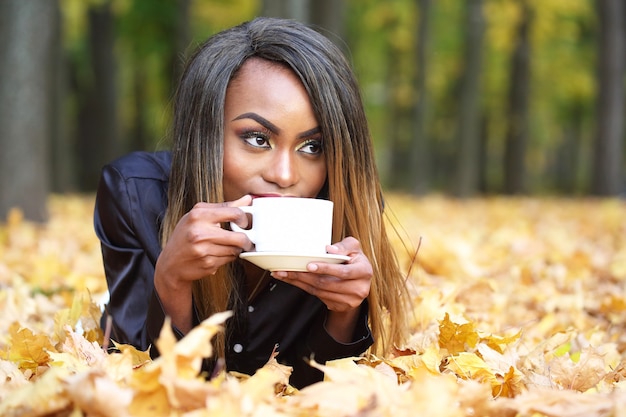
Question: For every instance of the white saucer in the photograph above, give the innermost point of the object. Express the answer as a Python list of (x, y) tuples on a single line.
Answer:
[(287, 261)]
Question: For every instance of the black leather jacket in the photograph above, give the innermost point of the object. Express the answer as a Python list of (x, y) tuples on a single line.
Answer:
[(130, 204)]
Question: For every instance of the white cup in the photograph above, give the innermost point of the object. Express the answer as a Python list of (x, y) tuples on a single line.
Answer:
[(289, 224)]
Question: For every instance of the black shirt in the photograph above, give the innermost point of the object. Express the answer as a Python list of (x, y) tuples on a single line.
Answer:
[(130, 205)]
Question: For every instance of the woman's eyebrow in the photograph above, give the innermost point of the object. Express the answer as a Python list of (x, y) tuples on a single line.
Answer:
[(260, 120), (309, 132), (272, 127)]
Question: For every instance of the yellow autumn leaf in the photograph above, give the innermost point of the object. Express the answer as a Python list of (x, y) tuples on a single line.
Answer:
[(28, 350), (177, 371), (443, 396), (11, 378), (455, 337), (120, 367), (349, 389), (579, 375), (45, 396), (509, 384), (83, 311), (95, 394), (139, 357), (184, 359), (272, 378), (499, 343), (150, 398), (408, 365), (504, 381), (77, 353), (470, 366)]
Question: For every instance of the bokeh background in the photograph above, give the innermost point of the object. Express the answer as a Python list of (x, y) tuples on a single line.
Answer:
[(464, 97)]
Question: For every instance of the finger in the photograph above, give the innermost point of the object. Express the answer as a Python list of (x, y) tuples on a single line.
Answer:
[(211, 264), (358, 266), (335, 294), (310, 283), (218, 249), (347, 246), (201, 235), (218, 214), (214, 213), (313, 283), (235, 240), (246, 200)]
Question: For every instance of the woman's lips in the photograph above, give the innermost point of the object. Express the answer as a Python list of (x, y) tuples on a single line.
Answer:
[(270, 195)]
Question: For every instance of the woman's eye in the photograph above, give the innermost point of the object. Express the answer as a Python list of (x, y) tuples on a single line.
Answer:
[(257, 139), (313, 147)]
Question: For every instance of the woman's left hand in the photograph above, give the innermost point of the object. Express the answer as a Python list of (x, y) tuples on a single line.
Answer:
[(342, 287)]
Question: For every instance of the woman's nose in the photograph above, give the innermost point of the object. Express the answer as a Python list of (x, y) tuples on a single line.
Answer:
[(282, 170)]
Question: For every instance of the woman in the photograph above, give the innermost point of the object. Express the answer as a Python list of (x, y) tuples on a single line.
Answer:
[(269, 107)]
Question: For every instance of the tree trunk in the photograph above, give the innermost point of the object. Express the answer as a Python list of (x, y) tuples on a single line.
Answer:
[(291, 9), (608, 146), (63, 162), (565, 166), (328, 16), (419, 165), (468, 127), (98, 137), (399, 125), (29, 34), (181, 42), (519, 88)]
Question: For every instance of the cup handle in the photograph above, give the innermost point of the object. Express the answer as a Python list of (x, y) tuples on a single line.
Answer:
[(247, 232)]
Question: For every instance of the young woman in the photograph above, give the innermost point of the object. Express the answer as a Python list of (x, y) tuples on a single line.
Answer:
[(267, 108)]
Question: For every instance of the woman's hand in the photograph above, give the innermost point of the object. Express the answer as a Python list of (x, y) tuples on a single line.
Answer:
[(342, 287), (197, 247)]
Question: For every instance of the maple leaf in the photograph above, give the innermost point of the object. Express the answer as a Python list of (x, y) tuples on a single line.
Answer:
[(499, 343), (120, 366), (509, 384), (45, 396), (579, 375), (184, 358), (28, 350), (150, 398), (468, 365), (10, 378), (271, 379), (554, 402), (348, 389), (455, 337), (508, 379), (139, 357), (84, 313), (77, 353), (178, 367), (94, 393)]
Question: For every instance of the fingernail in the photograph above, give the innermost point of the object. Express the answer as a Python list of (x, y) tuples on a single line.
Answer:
[(279, 274), (312, 267)]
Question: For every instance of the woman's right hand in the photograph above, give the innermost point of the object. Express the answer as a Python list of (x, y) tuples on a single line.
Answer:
[(197, 247)]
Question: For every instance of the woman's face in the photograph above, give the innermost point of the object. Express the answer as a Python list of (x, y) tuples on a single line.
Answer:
[(272, 140)]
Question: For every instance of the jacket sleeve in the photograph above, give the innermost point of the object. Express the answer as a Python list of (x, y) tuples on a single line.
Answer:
[(321, 347), (128, 265), (130, 203)]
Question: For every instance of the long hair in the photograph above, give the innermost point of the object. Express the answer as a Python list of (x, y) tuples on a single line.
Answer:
[(352, 178)]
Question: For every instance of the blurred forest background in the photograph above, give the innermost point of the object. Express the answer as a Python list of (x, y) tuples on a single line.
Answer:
[(464, 97)]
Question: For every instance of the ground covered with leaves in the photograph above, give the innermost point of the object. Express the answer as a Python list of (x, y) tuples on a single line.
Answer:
[(519, 310)]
